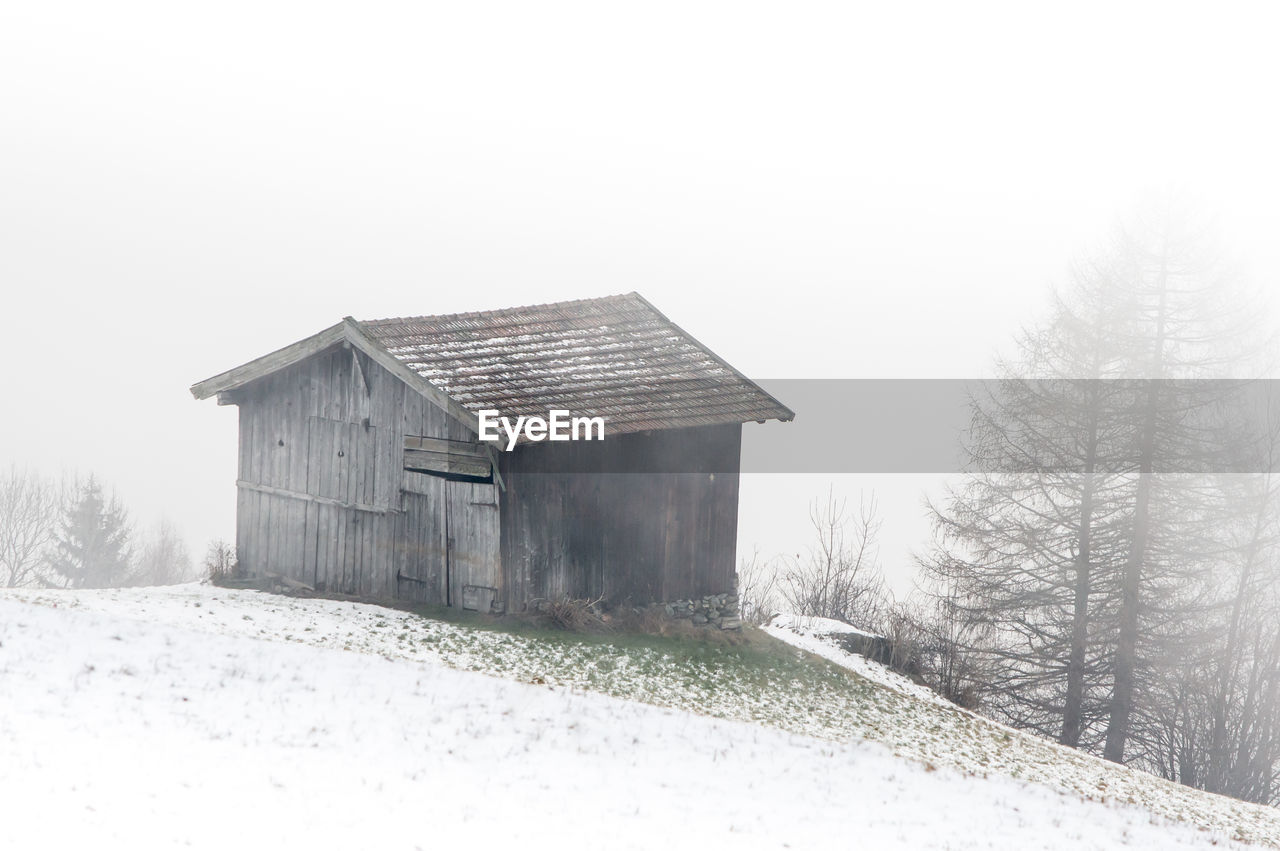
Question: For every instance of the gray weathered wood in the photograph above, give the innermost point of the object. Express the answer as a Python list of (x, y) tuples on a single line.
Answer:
[(571, 527), (422, 545), (474, 549), (325, 498), (347, 331), (270, 363), (388, 361), (307, 497), (425, 460)]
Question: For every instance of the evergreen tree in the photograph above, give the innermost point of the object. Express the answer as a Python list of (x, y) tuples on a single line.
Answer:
[(92, 547)]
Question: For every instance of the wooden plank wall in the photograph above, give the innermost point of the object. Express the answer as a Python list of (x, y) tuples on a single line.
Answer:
[(324, 499), (577, 521), (422, 542), (475, 557), (317, 439)]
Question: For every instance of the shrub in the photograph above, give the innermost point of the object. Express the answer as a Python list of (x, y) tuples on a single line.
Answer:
[(573, 615), (220, 562)]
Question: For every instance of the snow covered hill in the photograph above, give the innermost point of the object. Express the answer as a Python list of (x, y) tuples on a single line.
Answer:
[(200, 717)]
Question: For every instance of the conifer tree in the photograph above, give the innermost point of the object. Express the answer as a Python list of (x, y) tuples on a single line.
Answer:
[(92, 546)]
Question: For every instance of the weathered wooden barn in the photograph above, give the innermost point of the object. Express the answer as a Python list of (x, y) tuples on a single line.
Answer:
[(361, 472)]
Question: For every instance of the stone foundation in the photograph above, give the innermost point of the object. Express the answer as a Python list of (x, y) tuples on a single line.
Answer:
[(716, 611)]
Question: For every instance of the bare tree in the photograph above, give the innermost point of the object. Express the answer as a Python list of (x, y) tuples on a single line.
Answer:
[(219, 560), (28, 522), (1213, 717), (1090, 537), (757, 587), (1021, 549), (1186, 331), (956, 659), (163, 559), (840, 576)]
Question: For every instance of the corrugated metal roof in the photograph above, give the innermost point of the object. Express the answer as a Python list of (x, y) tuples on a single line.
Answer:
[(615, 357)]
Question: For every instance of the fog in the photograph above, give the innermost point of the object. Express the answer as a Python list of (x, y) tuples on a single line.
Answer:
[(814, 191)]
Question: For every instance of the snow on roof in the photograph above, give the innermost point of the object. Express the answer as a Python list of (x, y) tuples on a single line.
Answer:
[(617, 357)]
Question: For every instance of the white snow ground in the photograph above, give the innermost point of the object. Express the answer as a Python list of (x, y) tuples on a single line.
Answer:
[(139, 719), (809, 634)]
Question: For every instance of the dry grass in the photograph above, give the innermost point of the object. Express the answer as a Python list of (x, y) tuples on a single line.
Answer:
[(572, 615), (652, 620)]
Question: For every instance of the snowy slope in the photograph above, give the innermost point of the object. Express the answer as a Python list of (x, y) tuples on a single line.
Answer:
[(811, 635), (162, 718)]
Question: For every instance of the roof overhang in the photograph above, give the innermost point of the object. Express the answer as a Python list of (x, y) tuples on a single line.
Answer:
[(785, 414), (347, 332)]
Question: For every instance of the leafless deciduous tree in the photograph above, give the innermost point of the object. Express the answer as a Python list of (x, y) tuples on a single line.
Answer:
[(163, 558), (1214, 716), (840, 576), (28, 521), (952, 646), (757, 587), (1125, 587), (219, 560)]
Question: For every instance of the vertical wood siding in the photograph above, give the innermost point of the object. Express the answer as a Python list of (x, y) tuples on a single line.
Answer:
[(420, 540), (332, 428), (630, 537), (324, 499)]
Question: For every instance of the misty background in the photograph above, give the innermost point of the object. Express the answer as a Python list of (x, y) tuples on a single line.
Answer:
[(814, 191)]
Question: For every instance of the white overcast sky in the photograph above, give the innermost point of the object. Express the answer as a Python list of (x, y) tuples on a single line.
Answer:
[(843, 190)]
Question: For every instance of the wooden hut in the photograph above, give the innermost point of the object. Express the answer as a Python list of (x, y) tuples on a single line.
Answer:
[(361, 472)]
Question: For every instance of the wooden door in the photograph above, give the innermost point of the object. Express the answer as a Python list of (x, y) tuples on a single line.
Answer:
[(421, 551), (340, 530), (474, 557)]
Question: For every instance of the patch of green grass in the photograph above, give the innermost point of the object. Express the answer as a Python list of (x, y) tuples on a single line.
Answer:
[(753, 677), (753, 658), (745, 675)]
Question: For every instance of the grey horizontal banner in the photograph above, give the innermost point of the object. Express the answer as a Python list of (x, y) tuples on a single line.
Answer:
[(945, 426), (1219, 426), (862, 426)]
